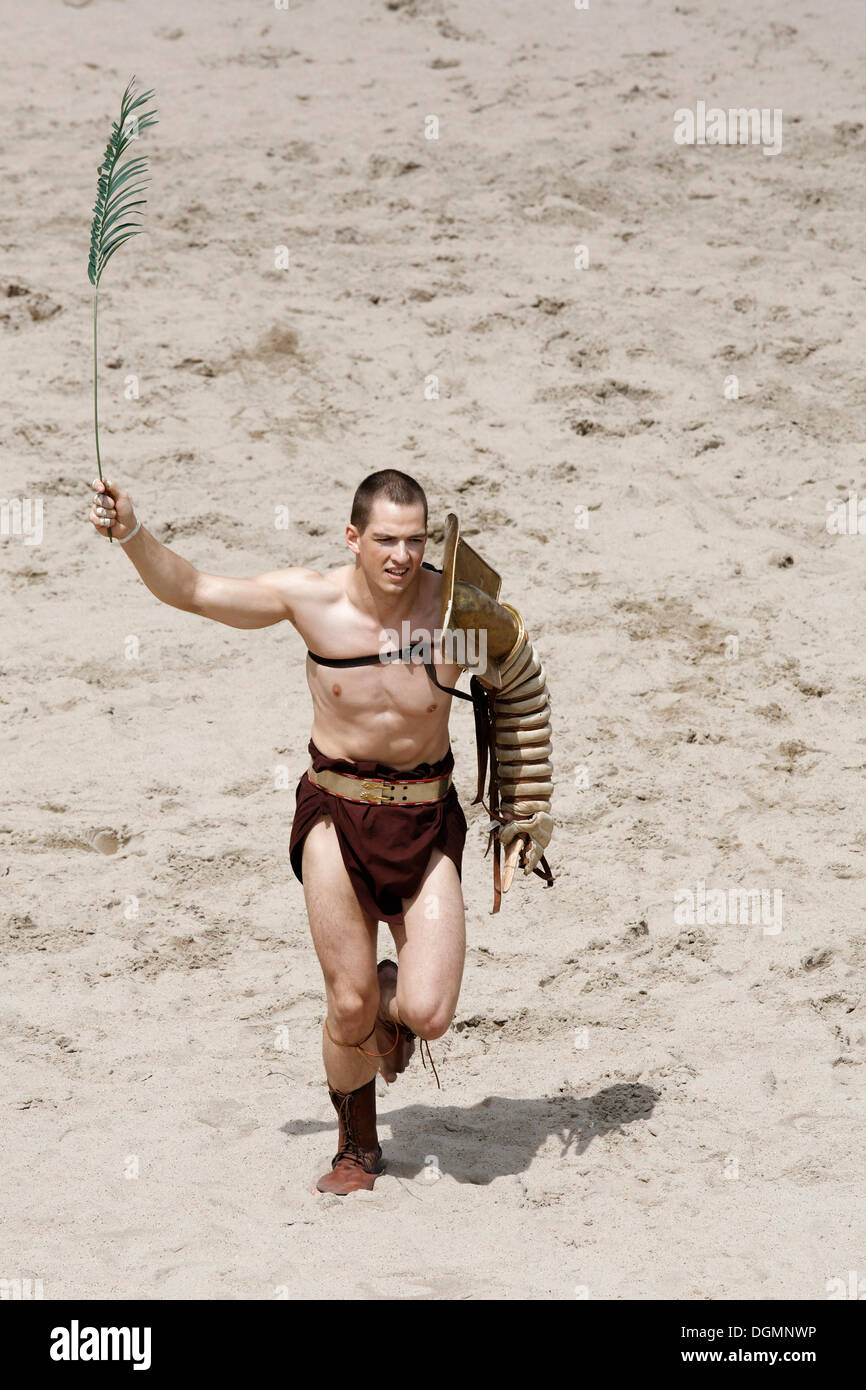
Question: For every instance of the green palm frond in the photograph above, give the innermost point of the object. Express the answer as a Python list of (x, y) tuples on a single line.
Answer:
[(118, 204), (117, 212)]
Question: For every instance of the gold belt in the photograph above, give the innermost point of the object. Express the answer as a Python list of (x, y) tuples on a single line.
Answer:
[(377, 791)]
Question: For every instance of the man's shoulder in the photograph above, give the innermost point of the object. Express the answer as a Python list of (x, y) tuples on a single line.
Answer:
[(301, 582), (433, 581), (433, 578), (337, 579)]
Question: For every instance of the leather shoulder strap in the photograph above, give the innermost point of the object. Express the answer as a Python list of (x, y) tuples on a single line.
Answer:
[(449, 689)]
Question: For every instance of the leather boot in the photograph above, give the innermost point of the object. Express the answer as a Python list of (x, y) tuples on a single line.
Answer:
[(400, 1040), (358, 1160)]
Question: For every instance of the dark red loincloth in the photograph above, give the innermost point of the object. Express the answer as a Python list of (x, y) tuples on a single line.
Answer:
[(385, 848)]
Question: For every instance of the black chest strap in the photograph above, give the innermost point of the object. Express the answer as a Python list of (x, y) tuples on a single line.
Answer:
[(383, 658)]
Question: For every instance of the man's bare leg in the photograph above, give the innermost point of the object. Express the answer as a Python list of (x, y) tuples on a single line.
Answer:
[(344, 937), (431, 947), (345, 941)]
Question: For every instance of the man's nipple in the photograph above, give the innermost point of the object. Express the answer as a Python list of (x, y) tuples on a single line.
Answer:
[(336, 689)]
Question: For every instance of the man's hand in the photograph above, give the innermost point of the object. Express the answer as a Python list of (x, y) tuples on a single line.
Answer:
[(111, 507)]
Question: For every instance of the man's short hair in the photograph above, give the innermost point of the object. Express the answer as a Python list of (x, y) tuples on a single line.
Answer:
[(391, 483)]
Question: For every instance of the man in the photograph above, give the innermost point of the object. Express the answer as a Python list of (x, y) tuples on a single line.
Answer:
[(378, 832)]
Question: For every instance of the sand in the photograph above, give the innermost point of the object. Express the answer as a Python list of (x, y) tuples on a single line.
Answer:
[(633, 1106)]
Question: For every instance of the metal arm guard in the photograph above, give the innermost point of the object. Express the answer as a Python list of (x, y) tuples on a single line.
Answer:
[(512, 710), (521, 749)]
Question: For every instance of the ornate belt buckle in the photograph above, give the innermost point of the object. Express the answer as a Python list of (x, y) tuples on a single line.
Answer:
[(371, 791)]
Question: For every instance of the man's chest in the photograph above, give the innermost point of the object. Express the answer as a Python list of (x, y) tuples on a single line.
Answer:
[(403, 688)]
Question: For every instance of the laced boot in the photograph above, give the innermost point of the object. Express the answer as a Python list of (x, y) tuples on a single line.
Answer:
[(358, 1160)]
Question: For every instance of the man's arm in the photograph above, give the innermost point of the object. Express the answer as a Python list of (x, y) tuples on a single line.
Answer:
[(247, 603)]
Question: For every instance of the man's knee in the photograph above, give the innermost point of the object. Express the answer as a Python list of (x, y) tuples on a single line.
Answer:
[(428, 1018), (352, 1013)]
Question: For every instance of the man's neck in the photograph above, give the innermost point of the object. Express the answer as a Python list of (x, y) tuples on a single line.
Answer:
[(388, 610)]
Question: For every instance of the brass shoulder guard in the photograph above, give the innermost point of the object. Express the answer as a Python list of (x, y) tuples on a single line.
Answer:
[(497, 650)]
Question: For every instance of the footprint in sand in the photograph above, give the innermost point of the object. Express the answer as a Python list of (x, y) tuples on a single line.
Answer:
[(105, 841)]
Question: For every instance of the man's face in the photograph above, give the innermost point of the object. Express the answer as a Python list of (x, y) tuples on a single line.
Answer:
[(391, 546)]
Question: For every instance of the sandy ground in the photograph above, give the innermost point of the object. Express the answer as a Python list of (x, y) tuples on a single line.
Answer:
[(631, 1107)]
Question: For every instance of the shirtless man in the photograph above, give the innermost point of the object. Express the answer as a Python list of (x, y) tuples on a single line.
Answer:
[(378, 831)]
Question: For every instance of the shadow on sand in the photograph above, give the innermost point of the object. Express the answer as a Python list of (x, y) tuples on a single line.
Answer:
[(499, 1135)]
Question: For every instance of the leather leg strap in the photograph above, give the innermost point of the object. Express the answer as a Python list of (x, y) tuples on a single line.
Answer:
[(390, 1049), (432, 1063), (363, 1040), (424, 1043)]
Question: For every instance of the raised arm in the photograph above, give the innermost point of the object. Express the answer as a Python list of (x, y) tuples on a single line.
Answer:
[(248, 603)]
